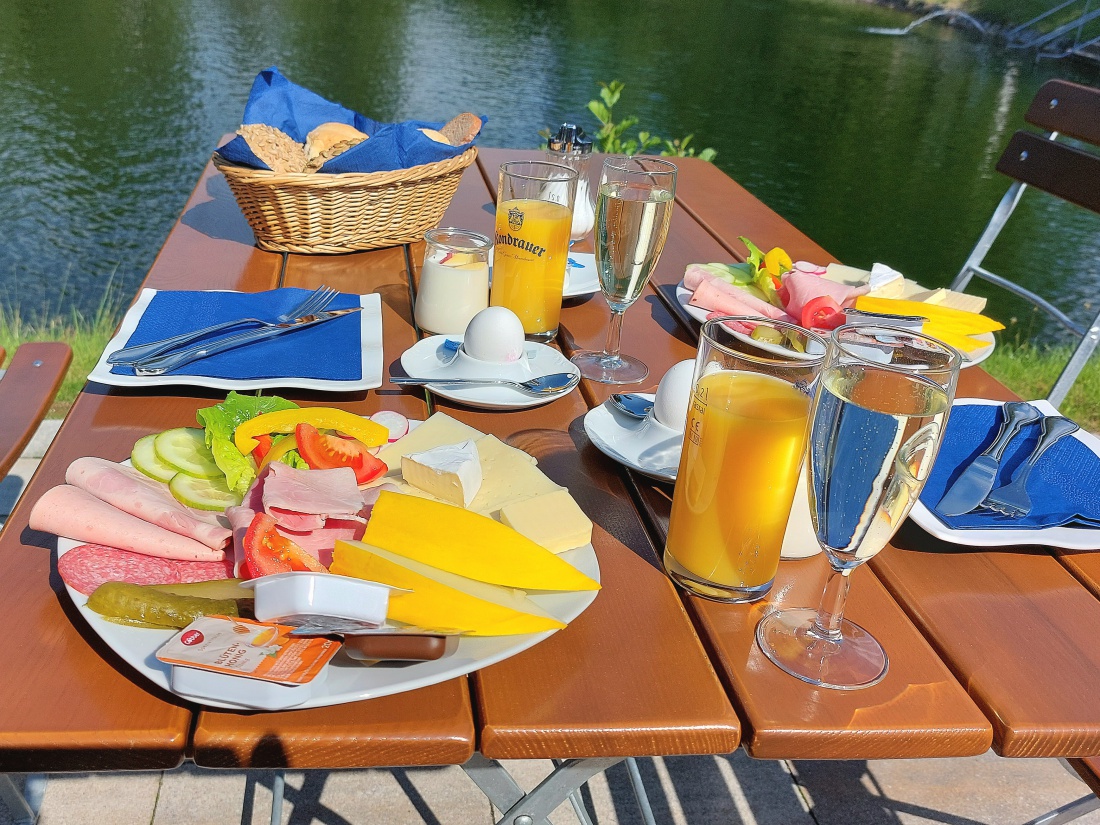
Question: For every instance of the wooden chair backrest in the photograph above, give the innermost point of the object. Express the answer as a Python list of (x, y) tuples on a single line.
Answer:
[(1059, 169)]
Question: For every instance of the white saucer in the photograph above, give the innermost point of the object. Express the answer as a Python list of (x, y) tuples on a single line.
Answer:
[(647, 446), (426, 359), (683, 296)]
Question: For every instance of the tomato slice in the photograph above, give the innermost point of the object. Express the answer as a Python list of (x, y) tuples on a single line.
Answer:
[(822, 312), (263, 447), (327, 452), (266, 551)]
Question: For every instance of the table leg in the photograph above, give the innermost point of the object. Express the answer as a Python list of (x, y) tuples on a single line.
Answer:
[(23, 806), (532, 808), (278, 789), (1070, 812)]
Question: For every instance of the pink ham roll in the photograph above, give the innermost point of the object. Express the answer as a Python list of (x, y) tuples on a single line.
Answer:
[(71, 512), (803, 288), (718, 296), (149, 500)]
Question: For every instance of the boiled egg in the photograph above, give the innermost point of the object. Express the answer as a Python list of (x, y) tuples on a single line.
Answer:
[(495, 334), (670, 406)]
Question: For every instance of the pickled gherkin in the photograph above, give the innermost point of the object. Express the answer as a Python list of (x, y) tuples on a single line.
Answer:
[(134, 604)]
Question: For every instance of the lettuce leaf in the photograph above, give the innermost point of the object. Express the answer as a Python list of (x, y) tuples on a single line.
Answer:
[(222, 419)]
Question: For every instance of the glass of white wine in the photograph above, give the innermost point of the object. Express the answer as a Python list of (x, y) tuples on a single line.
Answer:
[(633, 211), (877, 421)]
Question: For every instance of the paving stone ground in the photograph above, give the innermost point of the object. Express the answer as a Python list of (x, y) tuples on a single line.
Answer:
[(721, 790)]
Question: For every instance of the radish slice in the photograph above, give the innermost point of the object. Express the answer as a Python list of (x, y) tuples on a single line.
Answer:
[(395, 422), (809, 269)]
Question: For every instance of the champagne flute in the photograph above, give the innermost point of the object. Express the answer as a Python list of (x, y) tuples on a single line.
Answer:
[(878, 417), (633, 211)]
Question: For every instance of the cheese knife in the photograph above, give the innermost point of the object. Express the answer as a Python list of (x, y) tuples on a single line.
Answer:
[(971, 488)]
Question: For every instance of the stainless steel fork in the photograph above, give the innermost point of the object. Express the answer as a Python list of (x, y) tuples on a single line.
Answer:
[(314, 302), (1012, 499)]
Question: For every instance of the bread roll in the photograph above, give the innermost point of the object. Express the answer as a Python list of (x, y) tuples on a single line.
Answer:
[(328, 140), (277, 149), (438, 137)]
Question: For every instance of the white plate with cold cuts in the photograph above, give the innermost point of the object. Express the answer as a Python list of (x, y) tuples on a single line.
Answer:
[(683, 296), (646, 445), (347, 680), (430, 359)]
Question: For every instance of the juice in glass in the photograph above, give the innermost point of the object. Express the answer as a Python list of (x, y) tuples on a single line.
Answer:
[(746, 432), (529, 258), (534, 217), (738, 473)]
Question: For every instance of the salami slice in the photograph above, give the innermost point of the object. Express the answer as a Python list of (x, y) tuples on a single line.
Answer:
[(86, 567), (203, 571)]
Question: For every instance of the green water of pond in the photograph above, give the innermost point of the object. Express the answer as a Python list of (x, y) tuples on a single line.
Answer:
[(880, 148)]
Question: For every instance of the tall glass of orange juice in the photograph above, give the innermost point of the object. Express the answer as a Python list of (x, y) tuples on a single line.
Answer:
[(743, 447), (531, 249)]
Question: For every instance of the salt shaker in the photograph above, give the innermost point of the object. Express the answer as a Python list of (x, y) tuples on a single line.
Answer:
[(573, 148)]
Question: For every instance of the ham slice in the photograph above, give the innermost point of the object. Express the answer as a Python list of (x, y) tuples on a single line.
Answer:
[(326, 493), (803, 287), (718, 296), (149, 500), (696, 274), (71, 512)]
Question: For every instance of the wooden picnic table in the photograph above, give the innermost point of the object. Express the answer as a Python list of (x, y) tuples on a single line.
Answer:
[(986, 646)]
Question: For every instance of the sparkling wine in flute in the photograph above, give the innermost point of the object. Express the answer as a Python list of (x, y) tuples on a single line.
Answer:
[(876, 425), (631, 225), (857, 505)]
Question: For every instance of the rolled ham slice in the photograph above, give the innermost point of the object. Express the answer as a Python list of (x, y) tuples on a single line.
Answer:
[(71, 512), (149, 500), (803, 287), (718, 296)]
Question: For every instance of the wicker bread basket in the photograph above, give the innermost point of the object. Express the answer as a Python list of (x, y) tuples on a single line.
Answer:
[(349, 212)]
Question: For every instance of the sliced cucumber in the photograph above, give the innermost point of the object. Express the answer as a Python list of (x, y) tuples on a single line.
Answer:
[(185, 449), (144, 458), (203, 493)]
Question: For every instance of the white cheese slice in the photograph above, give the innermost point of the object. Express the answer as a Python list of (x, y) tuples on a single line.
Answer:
[(847, 275), (509, 475), (438, 430), (553, 520), (451, 473)]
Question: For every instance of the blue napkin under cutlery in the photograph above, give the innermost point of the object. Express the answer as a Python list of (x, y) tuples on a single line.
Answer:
[(1064, 486), (327, 351)]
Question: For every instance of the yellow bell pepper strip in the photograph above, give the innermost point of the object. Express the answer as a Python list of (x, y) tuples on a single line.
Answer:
[(323, 418)]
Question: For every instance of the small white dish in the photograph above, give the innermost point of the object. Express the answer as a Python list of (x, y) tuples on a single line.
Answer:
[(646, 445), (581, 275), (683, 296), (1069, 538), (292, 598), (429, 359), (259, 694), (370, 355)]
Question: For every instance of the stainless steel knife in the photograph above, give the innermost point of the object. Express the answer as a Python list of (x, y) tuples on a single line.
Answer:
[(174, 360), (971, 488)]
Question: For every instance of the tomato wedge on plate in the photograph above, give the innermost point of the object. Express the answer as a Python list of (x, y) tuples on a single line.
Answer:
[(328, 452), (822, 312), (266, 551)]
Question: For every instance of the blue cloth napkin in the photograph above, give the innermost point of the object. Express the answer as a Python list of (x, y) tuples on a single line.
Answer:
[(277, 102), (1064, 486), (330, 351)]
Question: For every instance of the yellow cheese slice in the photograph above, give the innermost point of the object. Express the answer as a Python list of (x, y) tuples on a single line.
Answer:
[(467, 544), (438, 600), (554, 521), (964, 342), (966, 323)]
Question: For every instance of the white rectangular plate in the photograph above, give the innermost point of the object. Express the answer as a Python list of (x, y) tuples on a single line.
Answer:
[(370, 336)]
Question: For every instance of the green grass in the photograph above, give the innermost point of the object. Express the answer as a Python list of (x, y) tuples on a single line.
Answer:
[(87, 337), (1030, 371)]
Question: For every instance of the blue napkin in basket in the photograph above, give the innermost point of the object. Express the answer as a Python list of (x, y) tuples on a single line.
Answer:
[(1064, 486), (329, 351), (277, 102)]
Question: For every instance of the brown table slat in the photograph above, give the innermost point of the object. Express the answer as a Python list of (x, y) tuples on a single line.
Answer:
[(567, 697), (920, 709), (66, 701), (430, 726), (32, 380)]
